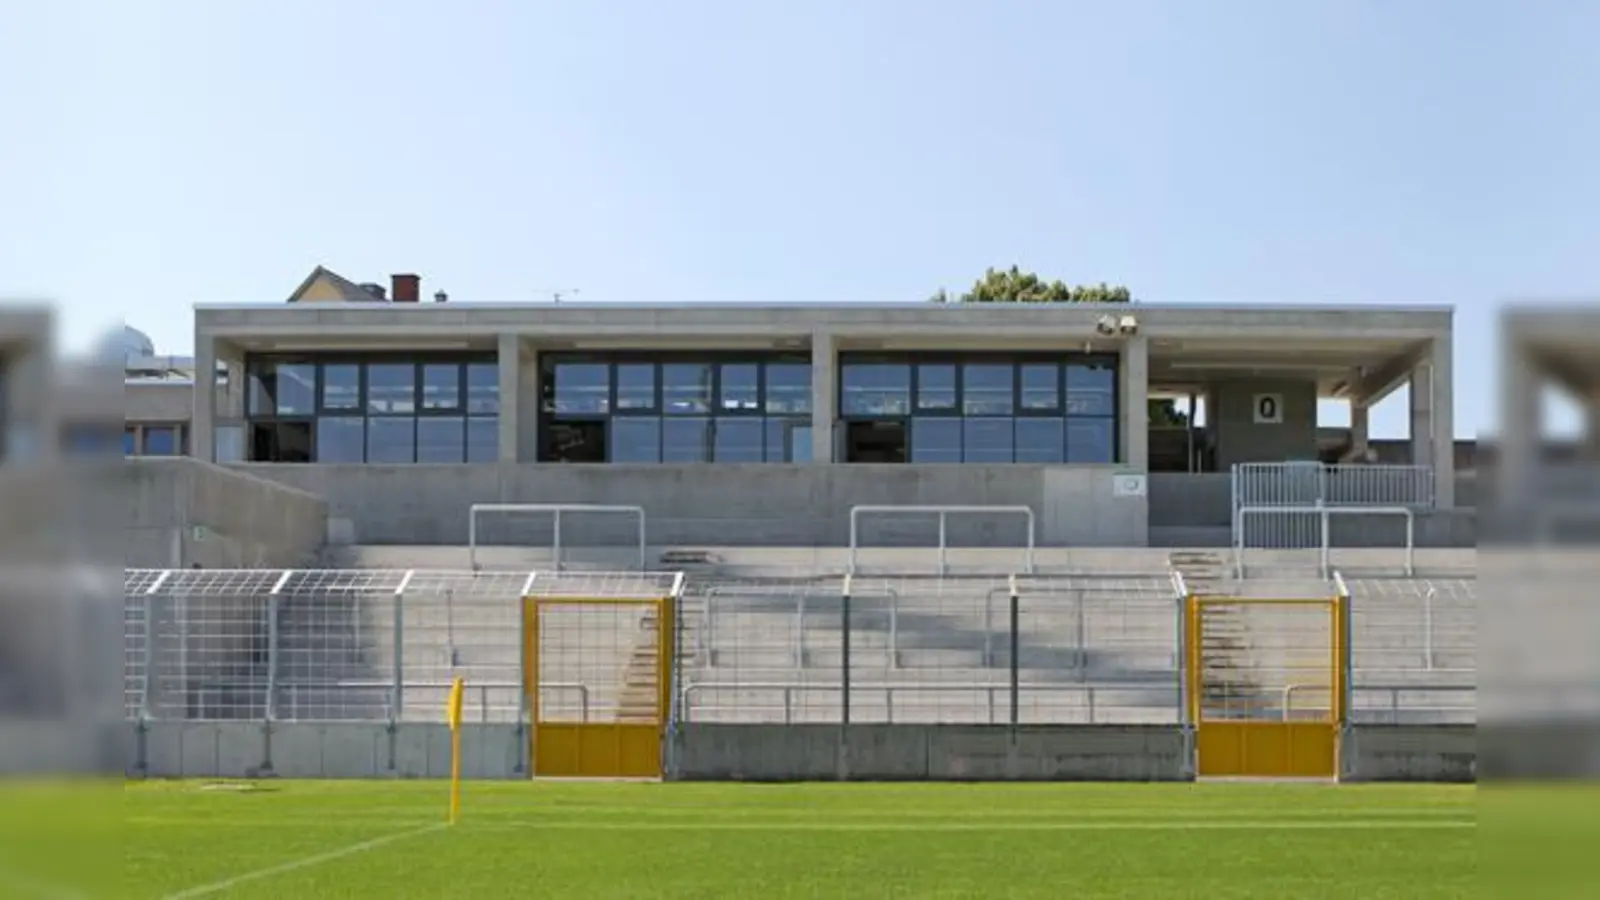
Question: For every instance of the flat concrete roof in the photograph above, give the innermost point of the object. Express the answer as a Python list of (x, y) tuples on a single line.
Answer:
[(1349, 349)]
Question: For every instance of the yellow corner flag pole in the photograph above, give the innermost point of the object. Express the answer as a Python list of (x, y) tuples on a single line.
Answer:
[(453, 717)]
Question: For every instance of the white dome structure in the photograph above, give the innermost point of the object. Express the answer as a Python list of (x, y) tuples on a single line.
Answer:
[(126, 344)]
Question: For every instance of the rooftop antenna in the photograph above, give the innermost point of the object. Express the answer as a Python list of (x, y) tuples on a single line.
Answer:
[(556, 294)]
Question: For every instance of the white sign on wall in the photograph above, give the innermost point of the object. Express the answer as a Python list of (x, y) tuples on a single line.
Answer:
[(1268, 409), (1127, 485)]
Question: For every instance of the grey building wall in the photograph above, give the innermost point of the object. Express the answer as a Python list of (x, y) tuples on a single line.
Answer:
[(1240, 439)]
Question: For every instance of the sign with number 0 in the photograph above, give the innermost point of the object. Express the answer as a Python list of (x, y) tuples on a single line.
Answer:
[(1269, 409)]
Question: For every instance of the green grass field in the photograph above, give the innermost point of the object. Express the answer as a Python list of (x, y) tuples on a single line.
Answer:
[(305, 840)]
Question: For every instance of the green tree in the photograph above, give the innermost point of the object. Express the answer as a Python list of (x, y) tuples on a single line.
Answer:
[(1016, 286)]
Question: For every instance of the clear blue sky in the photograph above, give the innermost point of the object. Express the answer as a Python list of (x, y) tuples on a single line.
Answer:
[(159, 154)]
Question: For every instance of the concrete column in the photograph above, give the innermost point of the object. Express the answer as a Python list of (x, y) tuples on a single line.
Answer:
[(529, 399), (1360, 431), (1433, 420), (1520, 423), (824, 394), (509, 359), (203, 420), (1134, 386)]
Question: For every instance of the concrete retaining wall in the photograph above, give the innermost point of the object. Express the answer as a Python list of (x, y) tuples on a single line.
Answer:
[(1444, 753), (247, 522), (696, 505), (930, 753), (1411, 753), (331, 750)]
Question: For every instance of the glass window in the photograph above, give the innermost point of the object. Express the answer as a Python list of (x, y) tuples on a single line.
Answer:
[(685, 440), (788, 387), (340, 439), (1040, 441), (785, 443), (1041, 387), (441, 386), (483, 439), (341, 386), (740, 387), (636, 386), (391, 388), (986, 389), (738, 441), (283, 388), (936, 388), (875, 389), (685, 388), (160, 440), (391, 439), (441, 439), (229, 443), (1091, 390), (936, 440), (988, 441), (636, 439), (1091, 441), (130, 442), (483, 388), (582, 388)]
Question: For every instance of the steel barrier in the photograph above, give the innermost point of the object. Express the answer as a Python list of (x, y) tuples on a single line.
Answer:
[(992, 692), (1321, 515), (943, 512), (555, 510)]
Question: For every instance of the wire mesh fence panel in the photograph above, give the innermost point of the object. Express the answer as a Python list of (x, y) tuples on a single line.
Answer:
[(1266, 660), (761, 650), (598, 662), (210, 638), (1097, 650), (462, 624), (1413, 649), (926, 650), (333, 645), (137, 583)]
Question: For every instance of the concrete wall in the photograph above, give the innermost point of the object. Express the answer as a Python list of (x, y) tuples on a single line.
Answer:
[(313, 750), (930, 753), (162, 402), (1241, 440), (738, 752), (248, 522), (1411, 753), (697, 505)]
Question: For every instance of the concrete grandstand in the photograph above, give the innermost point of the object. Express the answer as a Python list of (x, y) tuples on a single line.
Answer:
[(911, 517)]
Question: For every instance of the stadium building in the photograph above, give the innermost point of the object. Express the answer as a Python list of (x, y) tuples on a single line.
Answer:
[(759, 424)]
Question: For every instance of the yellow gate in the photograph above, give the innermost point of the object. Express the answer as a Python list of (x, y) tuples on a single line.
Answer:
[(1265, 686), (595, 672)]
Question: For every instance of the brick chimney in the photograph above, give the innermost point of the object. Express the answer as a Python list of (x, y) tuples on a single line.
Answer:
[(406, 288)]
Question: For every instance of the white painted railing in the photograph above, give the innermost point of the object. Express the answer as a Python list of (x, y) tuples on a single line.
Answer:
[(992, 692), (1321, 515), (943, 513), (555, 510)]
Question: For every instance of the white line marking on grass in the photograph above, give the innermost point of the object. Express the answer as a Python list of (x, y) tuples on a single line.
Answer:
[(1260, 825), (304, 863)]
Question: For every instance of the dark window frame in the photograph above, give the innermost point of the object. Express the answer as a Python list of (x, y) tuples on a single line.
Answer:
[(714, 359), (419, 360), (1062, 361)]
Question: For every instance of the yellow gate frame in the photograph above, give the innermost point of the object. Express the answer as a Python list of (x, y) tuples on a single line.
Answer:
[(1281, 748), (612, 749)]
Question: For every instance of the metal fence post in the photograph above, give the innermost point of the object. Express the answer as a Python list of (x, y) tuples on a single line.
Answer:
[(397, 688), (1015, 651), (943, 567), (844, 653)]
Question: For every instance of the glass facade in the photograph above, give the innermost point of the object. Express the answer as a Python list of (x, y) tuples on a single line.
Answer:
[(979, 408), (412, 408), (675, 408)]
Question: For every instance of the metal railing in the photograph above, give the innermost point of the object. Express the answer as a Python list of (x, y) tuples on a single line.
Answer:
[(555, 510), (997, 696), (1310, 483), (1394, 712), (1321, 515), (942, 512)]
